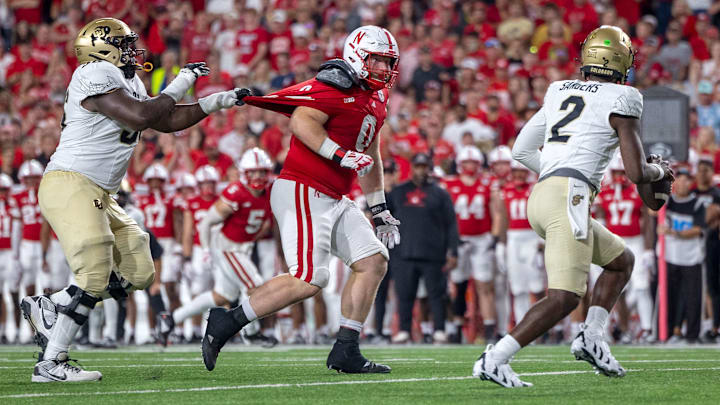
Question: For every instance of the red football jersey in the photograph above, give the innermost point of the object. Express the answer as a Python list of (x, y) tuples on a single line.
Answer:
[(249, 214), (7, 213), (158, 209), (623, 209), (516, 197), (472, 205), (355, 116), (198, 207), (27, 205)]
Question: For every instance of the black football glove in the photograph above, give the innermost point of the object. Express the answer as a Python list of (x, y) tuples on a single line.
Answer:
[(241, 94)]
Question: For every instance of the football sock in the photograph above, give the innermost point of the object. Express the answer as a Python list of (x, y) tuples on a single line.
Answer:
[(347, 335), (521, 304), (198, 305), (350, 324), (451, 328), (95, 323), (156, 303), (426, 328), (244, 313), (505, 348), (597, 317), (645, 309), (111, 308), (489, 329), (65, 327)]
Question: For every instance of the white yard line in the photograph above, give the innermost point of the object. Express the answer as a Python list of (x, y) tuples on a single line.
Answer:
[(317, 384)]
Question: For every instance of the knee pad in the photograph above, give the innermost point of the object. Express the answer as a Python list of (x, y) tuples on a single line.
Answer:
[(318, 277), (77, 297)]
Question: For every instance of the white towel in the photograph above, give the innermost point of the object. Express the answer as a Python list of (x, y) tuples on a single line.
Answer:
[(578, 207)]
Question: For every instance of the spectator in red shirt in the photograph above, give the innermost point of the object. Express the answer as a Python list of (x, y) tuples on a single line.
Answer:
[(442, 46), (272, 138), (211, 155), (42, 46), (252, 39), (197, 41), (477, 22), (281, 41), (23, 62), (497, 118), (27, 10), (218, 80)]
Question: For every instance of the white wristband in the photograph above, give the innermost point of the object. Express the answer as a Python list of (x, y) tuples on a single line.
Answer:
[(660, 169), (328, 148), (179, 86), (375, 198)]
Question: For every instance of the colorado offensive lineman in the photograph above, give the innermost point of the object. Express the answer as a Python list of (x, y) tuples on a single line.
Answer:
[(106, 108), (579, 127)]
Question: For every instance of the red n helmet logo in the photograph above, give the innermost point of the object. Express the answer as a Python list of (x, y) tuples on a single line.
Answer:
[(359, 37)]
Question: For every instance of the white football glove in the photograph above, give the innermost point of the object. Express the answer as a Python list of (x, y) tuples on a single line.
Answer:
[(360, 162), (185, 80), (500, 259), (386, 227), (223, 99)]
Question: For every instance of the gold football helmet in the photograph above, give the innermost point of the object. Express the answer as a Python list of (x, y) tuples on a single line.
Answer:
[(111, 40), (607, 52)]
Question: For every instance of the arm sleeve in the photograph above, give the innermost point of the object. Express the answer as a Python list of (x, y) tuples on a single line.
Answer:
[(453, 237), (526, 149), (629, 103), (98, 78)]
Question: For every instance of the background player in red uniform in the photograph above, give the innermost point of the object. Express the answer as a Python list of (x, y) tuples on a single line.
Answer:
[(7, 276), (334, 120), (29, 250), (524, 278), (162, 218), (242, 209), (473, 200), (626, 216)]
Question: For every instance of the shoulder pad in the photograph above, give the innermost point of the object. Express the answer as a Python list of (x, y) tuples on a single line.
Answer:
[(337, 73)]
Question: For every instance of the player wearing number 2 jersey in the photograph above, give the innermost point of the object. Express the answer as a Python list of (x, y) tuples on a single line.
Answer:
[(579, 127), (106, 107), (472, 198), (334, 118)]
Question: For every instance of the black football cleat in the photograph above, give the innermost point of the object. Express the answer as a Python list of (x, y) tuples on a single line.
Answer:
[(345, 357), (221, 326), (164, 325)]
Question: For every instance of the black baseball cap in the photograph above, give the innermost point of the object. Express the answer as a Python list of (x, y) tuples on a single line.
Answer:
[(389, 165), (422, 159)]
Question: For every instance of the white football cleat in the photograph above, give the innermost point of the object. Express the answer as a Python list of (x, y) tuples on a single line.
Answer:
[(595, 350), (60, 370), (41, 314), (488, 368)]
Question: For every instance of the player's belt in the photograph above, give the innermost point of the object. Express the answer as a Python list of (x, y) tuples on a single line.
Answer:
[(568, 172)]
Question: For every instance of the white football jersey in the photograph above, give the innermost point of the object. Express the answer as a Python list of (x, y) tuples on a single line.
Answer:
[(91, 143), (578, 134)]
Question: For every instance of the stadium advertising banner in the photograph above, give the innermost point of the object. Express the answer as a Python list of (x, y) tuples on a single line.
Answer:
[(665, 124)]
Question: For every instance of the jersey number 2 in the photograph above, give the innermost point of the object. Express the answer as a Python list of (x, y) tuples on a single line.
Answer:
[(578, 104), (128, 137)]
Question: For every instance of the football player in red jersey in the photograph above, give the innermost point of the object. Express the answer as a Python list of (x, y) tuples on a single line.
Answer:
[(243, 209), (477, 224), (29, 254), (163, 218), (7, 213), (334, 118), (524, 278), (625, 215), (197, 265)]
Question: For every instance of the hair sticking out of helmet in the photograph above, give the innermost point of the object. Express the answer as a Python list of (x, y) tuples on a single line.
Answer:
[(368, 46), (255, 167), (607, 52)]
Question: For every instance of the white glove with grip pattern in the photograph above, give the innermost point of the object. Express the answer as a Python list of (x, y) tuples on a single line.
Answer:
[(360, 162), (185, 80), (386, 227)]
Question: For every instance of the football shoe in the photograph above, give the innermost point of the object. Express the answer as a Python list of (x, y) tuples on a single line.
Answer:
[(164, 324), (221, 326), (345, 357), (488, 368), (594, 349), (60, 370)]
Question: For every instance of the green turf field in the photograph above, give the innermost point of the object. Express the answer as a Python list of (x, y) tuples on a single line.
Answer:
[(421, 375)]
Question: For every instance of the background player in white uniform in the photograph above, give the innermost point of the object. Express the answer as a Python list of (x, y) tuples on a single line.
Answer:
[(106, 107), (7, 262), (579, 128)]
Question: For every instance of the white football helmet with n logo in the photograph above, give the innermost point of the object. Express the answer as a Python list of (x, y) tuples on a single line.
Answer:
[(155, 171), (371, 40), (30, 168), (255, 159), (207, 173)]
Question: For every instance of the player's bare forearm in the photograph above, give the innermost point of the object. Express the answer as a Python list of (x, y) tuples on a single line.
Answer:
[(187, 238), (373, 181), (131, 112), (307, 125), (648, 228), (631, 150), (499, 216), (179, 117)]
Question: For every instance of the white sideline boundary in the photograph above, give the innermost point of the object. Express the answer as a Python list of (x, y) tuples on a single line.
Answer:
[(318, 384)]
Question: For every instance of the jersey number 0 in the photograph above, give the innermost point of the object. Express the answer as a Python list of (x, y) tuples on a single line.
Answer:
[(578, 104)]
